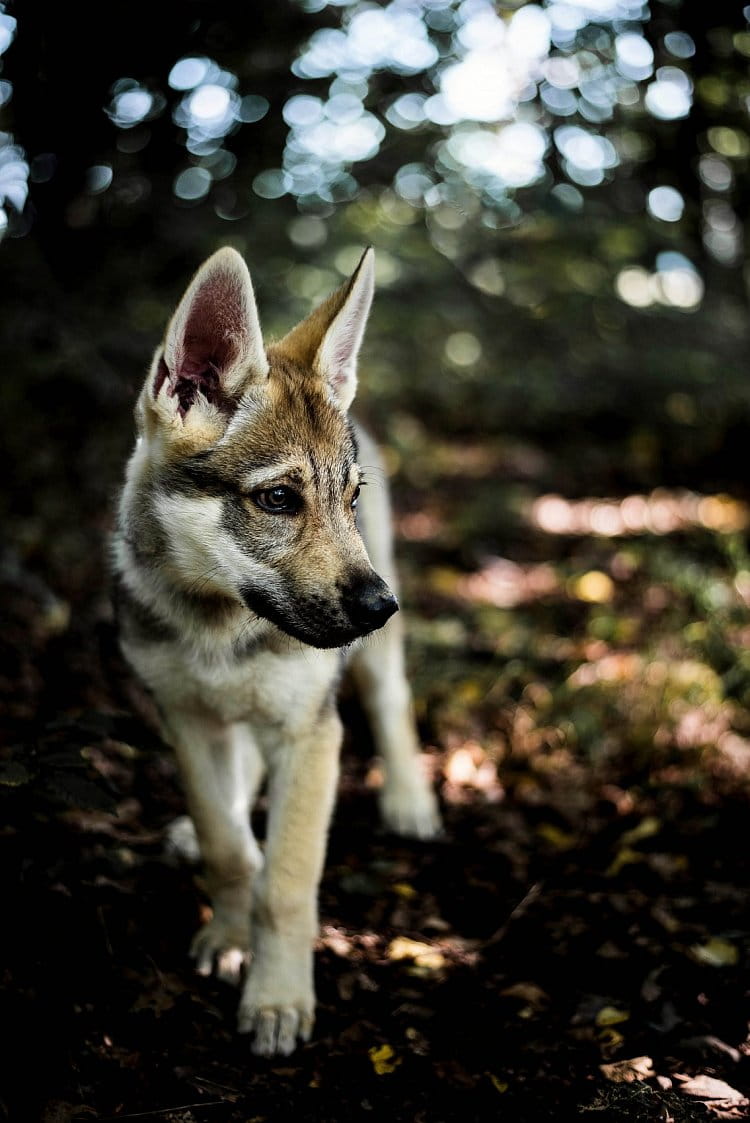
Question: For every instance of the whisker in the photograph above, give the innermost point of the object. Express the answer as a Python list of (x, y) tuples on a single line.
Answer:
[(199, 584)]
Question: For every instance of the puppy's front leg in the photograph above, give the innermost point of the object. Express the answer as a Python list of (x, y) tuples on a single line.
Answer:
[(279, 997), (220, 768)]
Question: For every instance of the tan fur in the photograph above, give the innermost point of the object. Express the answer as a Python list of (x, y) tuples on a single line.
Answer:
[(235, 615), (302, 343)]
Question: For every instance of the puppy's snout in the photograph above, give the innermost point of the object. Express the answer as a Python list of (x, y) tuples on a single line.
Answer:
[(369, 603)]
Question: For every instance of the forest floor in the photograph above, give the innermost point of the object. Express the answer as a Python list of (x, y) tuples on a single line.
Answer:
[(576, 943)]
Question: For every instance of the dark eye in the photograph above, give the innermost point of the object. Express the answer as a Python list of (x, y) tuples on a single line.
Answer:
[(355, 497), (278, 500)]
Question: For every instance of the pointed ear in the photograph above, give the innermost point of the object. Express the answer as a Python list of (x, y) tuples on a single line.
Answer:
[(213, 346), (330, 338)]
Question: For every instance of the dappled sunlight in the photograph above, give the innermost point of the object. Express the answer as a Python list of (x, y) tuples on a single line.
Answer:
[(732, 756), (658, 512), (468, 769), (460, 121), (482, 70), (614, 667), (420, 526), (506, 583), (14, 167), (675, 282), (424, 957)]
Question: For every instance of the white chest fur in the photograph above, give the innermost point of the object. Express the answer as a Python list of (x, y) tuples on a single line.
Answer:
[(265, 687)]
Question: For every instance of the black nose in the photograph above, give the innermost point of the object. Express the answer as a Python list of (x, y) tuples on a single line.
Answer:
[(369, 603)]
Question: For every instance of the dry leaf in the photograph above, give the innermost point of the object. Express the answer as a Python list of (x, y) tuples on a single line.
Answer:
[(528, 992), (627, 1072), (704, 1087)]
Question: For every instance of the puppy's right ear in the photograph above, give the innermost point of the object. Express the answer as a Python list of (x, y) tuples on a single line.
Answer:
[(212, 351)]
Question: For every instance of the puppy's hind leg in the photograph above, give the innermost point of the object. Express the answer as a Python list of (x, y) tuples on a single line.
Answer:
[(221, 769), (407, 802)]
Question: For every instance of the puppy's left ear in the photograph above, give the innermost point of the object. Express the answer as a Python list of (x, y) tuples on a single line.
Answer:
[(336, 360), (328, 341)]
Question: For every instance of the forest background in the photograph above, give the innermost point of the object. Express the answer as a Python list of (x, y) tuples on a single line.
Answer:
[(556, 365)]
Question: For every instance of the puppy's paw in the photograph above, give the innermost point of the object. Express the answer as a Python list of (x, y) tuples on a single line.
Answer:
[(278, 1002), (410, 809), (222, 945), (275, 1028), (180, 839)]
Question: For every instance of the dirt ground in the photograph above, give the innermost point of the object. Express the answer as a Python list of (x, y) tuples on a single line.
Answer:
[(573, 946)]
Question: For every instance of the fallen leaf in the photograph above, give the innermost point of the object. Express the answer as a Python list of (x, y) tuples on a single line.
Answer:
[(158, 1002), (384, 1059), (403, 889), (13, 774), (60, 1111), (498, 1084), (528, 992), (627, 1072), (611, 1016), (424, 955), (708, 1044), (560, 839), (624, 857), (715, 953), (664, 917), (610, 1041), (704, 1087), (645, 829)]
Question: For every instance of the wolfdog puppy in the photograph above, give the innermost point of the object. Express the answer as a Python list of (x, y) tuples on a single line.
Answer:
[(243, 586)]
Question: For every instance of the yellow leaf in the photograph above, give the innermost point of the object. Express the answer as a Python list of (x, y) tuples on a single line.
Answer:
[(384, 1059), (611, 1016), (645, 829), (403, 889), (610, 1040), (715, 953), (498, 1084), (560, 839), (424, 955), (624, 857)]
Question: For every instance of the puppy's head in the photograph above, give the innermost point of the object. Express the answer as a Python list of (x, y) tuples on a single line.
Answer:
[(252, 461)]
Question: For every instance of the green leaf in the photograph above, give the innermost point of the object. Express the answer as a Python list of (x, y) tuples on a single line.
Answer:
[(13, 774)]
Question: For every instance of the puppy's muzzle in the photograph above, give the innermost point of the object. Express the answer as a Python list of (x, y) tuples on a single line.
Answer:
[(368, 603)]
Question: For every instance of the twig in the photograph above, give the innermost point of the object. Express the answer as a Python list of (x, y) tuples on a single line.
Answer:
[(102, 921), (162, 1111), (520, 910)]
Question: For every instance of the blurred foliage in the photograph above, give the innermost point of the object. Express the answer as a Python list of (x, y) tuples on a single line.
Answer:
[(557, 194)]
